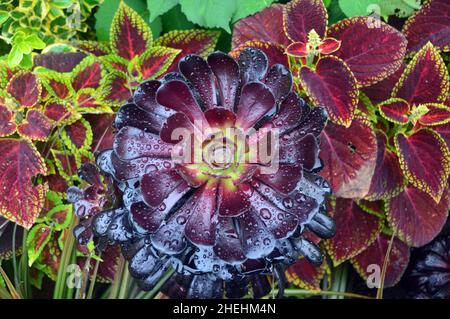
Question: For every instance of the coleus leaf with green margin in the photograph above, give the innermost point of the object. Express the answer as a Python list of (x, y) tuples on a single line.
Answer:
[(21, 201), (299, 18), (430, 24), (77, 136), (36, 126), (305, 275), (375, 255), (349, 157), (37, 239), (25, 89), (416, 217), (356, 230)]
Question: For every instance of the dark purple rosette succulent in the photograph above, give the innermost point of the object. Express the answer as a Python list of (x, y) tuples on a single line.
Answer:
[(428, 276), (218, 168)]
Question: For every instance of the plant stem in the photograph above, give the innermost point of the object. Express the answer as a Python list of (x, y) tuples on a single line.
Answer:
[(125, 282), (117, 279), (155, 290), (93, 279)]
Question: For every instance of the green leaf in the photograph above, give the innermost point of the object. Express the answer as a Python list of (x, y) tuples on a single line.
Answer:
[(245, 8), (106, 12), (159, 7), (14, 56), (174, 19), (77, 136), (37, 238), (383, 8), (24, 47), (4, 15), (35, 42), (209, 13), (54, 197)]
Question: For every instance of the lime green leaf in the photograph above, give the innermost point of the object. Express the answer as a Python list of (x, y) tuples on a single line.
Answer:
[(4, 15), (159, 7), (37, 238), (54, 197), (35, 42), (209, 13), (60, 216), (14, 56), (24, 47), (245, 8)]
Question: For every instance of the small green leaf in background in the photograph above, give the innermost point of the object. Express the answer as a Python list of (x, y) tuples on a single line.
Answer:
[(3, 17), (35, 42), (385, 8), (209, 13), (245, 8), (174, 19), (159, 7), (15, 56), (2, 282)]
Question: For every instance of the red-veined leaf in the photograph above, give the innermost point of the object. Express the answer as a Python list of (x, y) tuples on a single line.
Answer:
[(275, 52), (395, 110), (103, 132), (375, 208), (370, 61), (349, 156), (265, 26), (36, 126), (118, 90), (437, 114), (302, 16), (430, 23), (60, 215), (67, 163), (56, 111), (382, 90), (91, 101), (115, 62), (200, 42), (56, 183), (356, 230), (25, 88), (20, 200), (370, 262), (37, 238), (444, 132), (87, 74), (56, 84), (333, 86), (93, 47), (425, 80), (425, 161), (77, 136), (130, 35), (7, 125), (387, 180), (156, 61), (304, 275), (416, 216)]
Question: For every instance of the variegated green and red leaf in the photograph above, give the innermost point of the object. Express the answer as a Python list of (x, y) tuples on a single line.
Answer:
[(333, 86), (425, 161), (302, 16), (87, 74), (382, 90), (425, 80), (57, 111), (130, 35), (395, 110), (437, 114), (349, 157), (93, 47), (200, 42), (370, 262), (77, 136), (416, 217), (25, 88), (156, 62), (35, 127), (60, 216), (305, 275), (370, 61), (37, 238), (67, 163), (430, 24), (21, 200), (118, 90), (7, 125), (356, 230)]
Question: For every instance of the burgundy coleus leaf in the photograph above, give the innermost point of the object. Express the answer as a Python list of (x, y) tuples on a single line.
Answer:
[(78, 135), (425, 161), (7, 125), (302, 16), (119, 92), (305, 275), (56, 111), (56, 85), (56, 183), (87, 74), (437, 114), (382, 90), (425, 80), (66, 162), (20, 200), (430, 24), (333, 86), (130, 35), (387, 180), (370, 61), (265, 26), (376, 254), (375, 208), (416, 217), (356, 230), (349, 156), (156, 61), (395, 110), (275, 52), (93, 47), (444, 132), (25, 88), (37, 238), (36, 126), (199, 42)]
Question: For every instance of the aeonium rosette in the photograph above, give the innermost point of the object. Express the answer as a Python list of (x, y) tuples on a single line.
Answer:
[(218, 169)]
